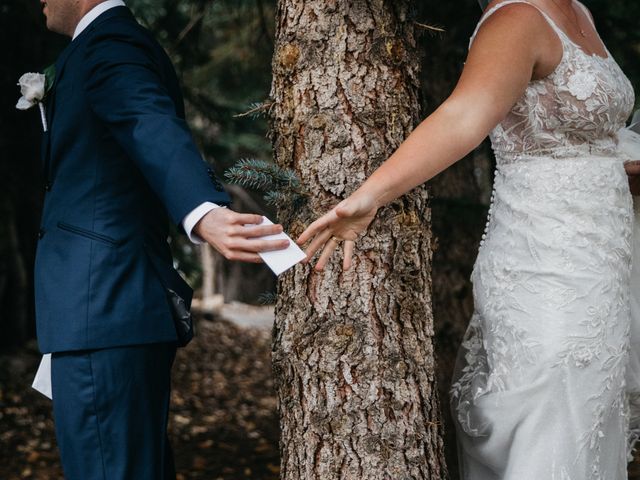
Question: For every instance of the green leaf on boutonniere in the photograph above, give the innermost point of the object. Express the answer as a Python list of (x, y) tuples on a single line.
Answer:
[(50, 76)]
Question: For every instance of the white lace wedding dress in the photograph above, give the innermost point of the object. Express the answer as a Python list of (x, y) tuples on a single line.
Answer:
[(546, 371)]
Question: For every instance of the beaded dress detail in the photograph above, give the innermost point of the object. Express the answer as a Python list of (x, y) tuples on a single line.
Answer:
[(541, 390)]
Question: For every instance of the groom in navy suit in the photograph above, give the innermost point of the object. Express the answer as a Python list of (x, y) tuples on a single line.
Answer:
[(120, 163)]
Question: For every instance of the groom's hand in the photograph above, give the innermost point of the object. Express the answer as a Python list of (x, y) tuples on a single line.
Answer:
[(237, 235)]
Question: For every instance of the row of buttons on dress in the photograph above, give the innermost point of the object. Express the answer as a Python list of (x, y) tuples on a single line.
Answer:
[(486, 227)]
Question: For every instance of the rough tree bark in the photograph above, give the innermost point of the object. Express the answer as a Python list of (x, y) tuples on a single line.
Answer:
[(353, 352)]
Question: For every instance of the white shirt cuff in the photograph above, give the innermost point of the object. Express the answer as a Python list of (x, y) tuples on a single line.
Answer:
[(194, 217)]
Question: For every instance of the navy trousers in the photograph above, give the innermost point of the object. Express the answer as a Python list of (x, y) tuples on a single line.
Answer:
[(111, 408)]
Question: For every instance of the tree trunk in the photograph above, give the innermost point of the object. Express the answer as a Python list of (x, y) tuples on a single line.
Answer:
[(353, 352)]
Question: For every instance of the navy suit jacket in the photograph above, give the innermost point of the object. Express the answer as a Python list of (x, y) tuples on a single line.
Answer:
[(120, 162)]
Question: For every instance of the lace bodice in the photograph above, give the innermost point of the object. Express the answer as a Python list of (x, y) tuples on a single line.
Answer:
[(578, 109)]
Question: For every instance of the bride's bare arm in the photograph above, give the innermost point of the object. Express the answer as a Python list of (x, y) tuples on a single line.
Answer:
[(514, 45)]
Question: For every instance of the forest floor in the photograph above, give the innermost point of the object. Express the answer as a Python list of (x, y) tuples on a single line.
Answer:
[(223, 424)]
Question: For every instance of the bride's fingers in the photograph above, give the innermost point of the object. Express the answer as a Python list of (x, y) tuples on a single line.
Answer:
[(316, 227), (348, 254), (329, 248), (317, 244)]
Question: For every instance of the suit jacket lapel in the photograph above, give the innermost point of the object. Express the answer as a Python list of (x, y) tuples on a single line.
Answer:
[(60, 65), (50, 105)]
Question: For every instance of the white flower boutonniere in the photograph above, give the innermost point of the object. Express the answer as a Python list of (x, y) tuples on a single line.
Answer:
[(34, 88)]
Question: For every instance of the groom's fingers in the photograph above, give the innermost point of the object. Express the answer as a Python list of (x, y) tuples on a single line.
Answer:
[(256, 231), (256, 246), (246, 219), (240, 256)]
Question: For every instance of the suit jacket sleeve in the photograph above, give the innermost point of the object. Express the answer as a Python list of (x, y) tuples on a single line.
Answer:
[(126, 88)]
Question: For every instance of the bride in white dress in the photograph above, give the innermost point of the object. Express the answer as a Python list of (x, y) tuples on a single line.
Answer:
[(547, 380)]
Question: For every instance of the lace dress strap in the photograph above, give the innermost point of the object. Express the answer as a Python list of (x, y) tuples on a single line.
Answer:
[(495, 8)]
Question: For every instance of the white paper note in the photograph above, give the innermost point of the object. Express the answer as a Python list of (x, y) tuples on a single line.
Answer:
[(280, 261), (42, 382)]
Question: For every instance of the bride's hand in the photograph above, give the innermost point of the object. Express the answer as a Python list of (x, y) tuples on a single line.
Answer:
[(345, 222), (633, 172)]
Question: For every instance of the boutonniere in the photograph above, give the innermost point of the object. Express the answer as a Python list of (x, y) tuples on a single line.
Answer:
[(34, 88)]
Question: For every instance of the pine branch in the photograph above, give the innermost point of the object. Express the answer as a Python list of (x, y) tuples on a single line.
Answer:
[(281, 187), (254, 174), (264, 176), (274, 198), (256, 110), (268, 298)]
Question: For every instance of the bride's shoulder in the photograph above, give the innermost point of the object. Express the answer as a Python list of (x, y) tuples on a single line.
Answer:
[(514, 21), (516, 31), (514, 9)]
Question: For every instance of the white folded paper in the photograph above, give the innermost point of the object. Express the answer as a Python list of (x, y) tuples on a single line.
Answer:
[(280, 261), (42, 382)]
